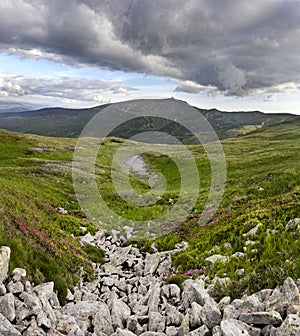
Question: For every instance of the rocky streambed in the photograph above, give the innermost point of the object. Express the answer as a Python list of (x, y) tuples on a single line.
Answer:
[(129, 297)]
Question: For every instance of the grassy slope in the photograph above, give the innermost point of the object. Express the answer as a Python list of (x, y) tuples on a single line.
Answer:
[(33, 185), (263, 188)]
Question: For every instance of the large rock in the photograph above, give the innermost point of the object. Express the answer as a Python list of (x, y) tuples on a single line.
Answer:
[(120, 312), (7, 306), (290, 326), (262, 318), (210, 313), (4, 262), (6, 329), (252, 304), (45, 290), (32, 301), (85, 311), (154, 297), (283, 297), (194, 291), (102, 321), (234, 327), (151, 263)]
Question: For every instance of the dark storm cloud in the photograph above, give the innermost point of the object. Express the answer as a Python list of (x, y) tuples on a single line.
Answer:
[(237, 47)]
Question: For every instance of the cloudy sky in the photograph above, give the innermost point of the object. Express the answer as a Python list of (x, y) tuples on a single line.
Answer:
[(228, 54)]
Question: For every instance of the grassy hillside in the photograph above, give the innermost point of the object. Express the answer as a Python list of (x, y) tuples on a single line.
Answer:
[(35, 180), (263, 187)]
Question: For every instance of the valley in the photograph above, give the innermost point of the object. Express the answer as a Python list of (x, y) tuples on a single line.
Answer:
[(262, 189)]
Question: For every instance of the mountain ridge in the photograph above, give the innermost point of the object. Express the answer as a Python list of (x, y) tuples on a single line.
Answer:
[(69, 122)]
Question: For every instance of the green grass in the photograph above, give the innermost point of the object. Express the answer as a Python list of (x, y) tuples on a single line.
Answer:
[(32, 187), (263, 187)]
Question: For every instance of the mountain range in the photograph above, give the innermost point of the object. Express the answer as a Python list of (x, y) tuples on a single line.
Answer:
[(11, 106), (65, 122)]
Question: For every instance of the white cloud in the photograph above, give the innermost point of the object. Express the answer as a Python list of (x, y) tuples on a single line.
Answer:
[(81, 89)]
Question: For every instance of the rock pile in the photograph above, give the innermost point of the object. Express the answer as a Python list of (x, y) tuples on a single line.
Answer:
[(129, 297)]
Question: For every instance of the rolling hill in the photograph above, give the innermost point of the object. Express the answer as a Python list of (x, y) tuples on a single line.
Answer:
[(62, 122)]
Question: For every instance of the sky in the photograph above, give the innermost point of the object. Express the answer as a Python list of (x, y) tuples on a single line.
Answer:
[(232, 55)]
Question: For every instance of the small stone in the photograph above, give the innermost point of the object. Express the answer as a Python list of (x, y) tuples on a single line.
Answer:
[(134, 326), (4, 262), (294, 309), (157, 322), (224, 302), (216, 331), (165, 291), (293, 224), (194, 291), (2, 289), (43, 320), (202, 331), (171, 331), (28, 287), (253, 231), (216, 257), (269, 331), (175, 291), (152, 333), (251, 304), (238, 255), (230, 312), (151, 263), (62, 211), (240, 271), (20, 272), (195, 315), (15, 287), (184, 327), (70, 296), (121, 332)]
